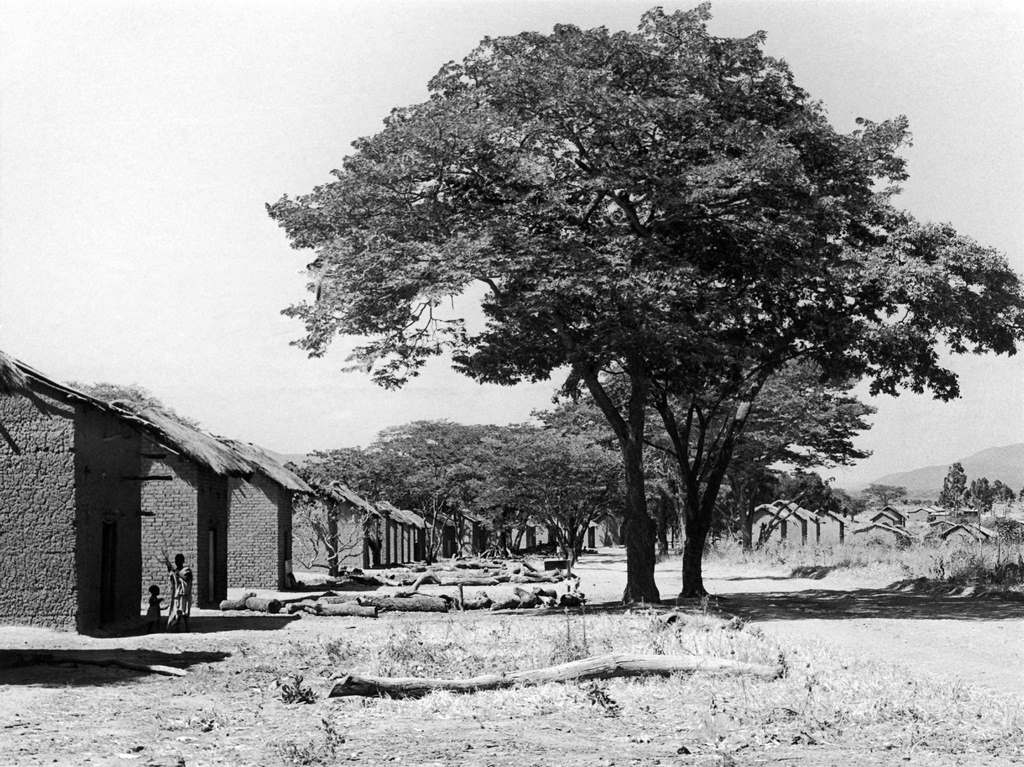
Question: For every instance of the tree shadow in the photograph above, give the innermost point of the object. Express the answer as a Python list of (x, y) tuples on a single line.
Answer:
[(92, 667), (869, 603)]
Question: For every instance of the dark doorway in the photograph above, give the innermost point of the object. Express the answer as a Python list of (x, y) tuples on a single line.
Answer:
[(591, 537), (211, 561), (108, 573)]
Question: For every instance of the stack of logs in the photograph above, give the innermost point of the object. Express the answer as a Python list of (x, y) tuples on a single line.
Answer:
[(463, 574)]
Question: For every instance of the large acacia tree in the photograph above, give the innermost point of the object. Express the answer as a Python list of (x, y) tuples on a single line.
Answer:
[(664, 208)]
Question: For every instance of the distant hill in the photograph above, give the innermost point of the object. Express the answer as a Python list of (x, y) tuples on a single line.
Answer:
[(1002, 463)]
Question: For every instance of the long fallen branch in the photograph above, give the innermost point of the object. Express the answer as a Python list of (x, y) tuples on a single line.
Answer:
[(599, 667)]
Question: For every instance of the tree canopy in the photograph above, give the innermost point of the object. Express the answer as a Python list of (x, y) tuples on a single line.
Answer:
[(666, 208)]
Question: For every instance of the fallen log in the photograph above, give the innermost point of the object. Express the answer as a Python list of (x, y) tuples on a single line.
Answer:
[(481, 602), (526, 598), (426, 579), (509, 603), (261, 605), (571, 599), (307, 606), (236, 604), (552, 577), (353, 609), (600, 667), (420, 603)]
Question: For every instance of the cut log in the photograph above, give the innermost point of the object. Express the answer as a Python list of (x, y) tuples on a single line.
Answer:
[(600, 667), (477, 603), (572, 599), (526, 598), (237, 604), (509, 603), (307, 606), (353, 609), (420, 603), (545, 592), (552, 577), (261, 605), (426, 579)]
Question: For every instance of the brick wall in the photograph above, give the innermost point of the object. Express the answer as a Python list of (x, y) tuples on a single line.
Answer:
[(37, 512), (259, 532), (185, 514), (171, 522), (107, 496)]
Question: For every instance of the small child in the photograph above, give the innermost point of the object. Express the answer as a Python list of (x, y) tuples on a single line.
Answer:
[(155, 608)]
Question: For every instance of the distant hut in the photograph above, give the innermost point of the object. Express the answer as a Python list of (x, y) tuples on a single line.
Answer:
[(784, 522), (936, 527), (889, 515), (339, 527), (69, 505), (403, 534), (964, 532), (880, 532), (831, 528)]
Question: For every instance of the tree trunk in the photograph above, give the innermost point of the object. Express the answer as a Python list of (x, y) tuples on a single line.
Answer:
[(693, 556), (638, 532), (601, 667)]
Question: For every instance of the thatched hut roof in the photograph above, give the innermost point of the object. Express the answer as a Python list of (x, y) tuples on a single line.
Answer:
[(267, 465), (339, 492), (12, 378), (402, 515), (197, 445)]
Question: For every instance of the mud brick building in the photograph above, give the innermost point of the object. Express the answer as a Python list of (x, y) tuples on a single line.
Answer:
[(185, 496), (402, 535), (260, 511), (69, 505), (225, 505)]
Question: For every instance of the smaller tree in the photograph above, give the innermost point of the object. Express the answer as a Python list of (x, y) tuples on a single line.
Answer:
[(954, 488), (883, 495)]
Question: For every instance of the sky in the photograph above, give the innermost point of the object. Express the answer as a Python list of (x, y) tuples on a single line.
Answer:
[(139, 143)]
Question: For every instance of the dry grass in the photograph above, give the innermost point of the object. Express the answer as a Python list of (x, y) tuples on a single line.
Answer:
[(822, 701), (995, 562)]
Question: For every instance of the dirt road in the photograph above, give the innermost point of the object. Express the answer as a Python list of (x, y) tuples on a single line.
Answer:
[(976, 641)]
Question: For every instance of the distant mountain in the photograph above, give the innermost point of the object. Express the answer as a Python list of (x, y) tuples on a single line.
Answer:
[(1002, 463)]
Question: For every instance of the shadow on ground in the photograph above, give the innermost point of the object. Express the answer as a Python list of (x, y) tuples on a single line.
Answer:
[(867, 603), (85, 667)]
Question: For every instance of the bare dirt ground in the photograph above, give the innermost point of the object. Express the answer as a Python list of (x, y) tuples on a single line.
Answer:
[(230, 712), (974, 640)]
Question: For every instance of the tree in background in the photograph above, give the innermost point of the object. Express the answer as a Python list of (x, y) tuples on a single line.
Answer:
[(1002, 492), (884, 494), (798, 422), (954, 488), (563, 481), (133, 394), (666, 209), (429, 467), (981, 494)]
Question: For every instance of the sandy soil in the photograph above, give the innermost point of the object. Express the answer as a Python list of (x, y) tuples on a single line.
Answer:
[(977, 641), (227, 713)]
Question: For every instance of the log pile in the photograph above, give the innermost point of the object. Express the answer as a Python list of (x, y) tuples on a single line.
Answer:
[(600, 667)]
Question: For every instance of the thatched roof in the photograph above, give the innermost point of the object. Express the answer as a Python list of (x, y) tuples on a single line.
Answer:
[(339, 492), (401, 515), (267, 465), (197, 445), (12, 378), (221, 456), (899, 532)]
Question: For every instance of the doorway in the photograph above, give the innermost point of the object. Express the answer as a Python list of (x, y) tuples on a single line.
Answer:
[(108, 573)]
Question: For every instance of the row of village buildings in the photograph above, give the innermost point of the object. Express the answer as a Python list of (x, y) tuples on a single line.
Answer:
[(786, 522), (94, 496)]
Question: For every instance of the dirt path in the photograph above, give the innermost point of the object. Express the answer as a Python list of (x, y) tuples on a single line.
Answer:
[(976, 641)]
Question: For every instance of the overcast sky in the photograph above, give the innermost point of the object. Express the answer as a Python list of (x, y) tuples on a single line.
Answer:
[(139, 142)]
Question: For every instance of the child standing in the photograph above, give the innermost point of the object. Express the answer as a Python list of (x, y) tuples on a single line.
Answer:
[(155, 608)]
